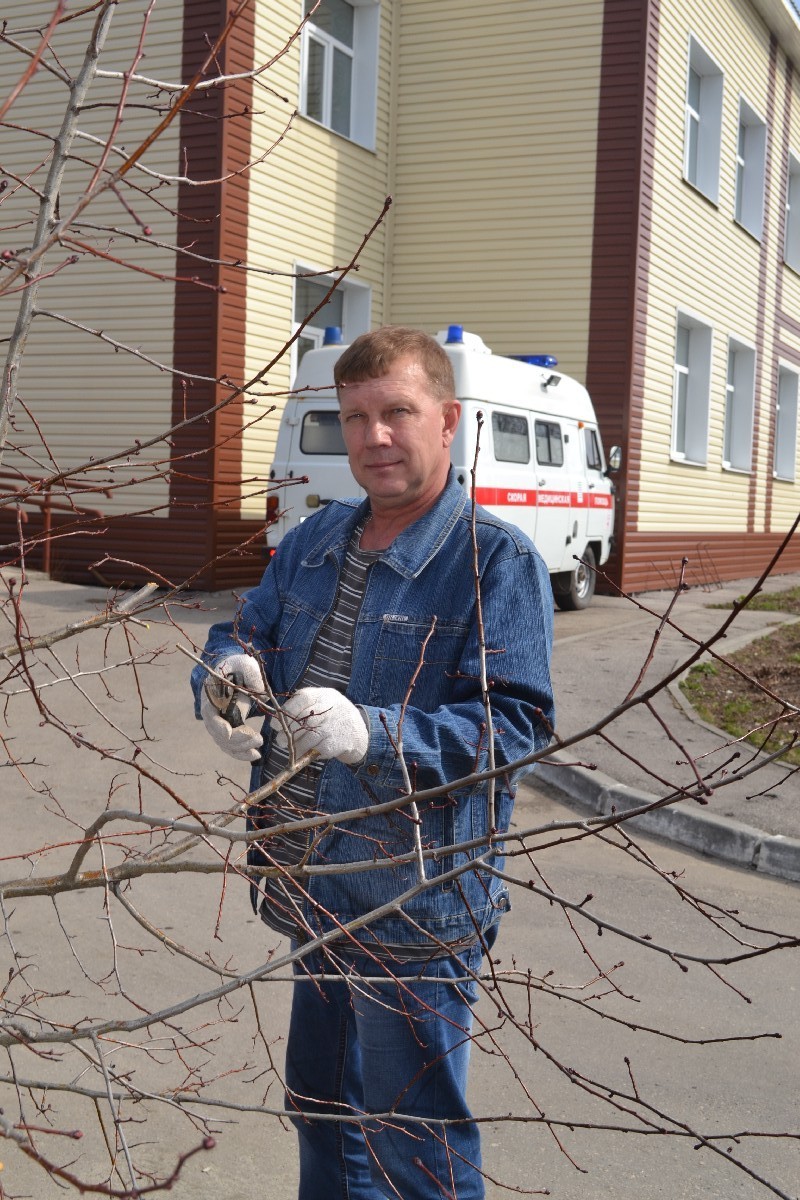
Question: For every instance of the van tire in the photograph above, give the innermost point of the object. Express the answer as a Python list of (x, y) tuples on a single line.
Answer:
[(574, 589)]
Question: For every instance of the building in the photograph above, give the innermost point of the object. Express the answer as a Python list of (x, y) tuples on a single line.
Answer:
[(616, 183)]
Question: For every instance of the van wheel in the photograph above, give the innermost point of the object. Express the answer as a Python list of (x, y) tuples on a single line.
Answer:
[(574, 589)]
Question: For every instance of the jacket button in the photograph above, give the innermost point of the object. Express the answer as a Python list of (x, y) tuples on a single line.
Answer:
[(373, 770)]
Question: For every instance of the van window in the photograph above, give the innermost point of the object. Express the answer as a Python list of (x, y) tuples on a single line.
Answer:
[(549, 447), (510, 438), (594, 460), (321, 433)]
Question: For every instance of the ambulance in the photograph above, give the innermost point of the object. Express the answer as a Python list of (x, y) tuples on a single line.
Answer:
[(540, 460)]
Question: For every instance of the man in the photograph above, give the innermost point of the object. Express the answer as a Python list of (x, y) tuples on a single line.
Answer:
[(366, 625)]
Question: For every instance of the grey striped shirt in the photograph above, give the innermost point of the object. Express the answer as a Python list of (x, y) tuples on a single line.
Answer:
[(329, 666)]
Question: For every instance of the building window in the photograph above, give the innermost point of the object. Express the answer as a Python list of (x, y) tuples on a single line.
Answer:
[(348, 309), (791, 247), (751, 152), (510, 438), (703, 129), (690, 400), (739, 399), (785, 455), (339, 66)]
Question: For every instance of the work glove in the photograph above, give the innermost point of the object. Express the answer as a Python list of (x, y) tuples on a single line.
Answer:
[(324, 720), (225, 710)]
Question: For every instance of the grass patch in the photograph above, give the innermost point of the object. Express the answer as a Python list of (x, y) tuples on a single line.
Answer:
[(785, 601), (744, 707)]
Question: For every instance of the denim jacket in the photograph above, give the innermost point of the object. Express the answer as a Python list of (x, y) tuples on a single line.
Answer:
[(427, 572)]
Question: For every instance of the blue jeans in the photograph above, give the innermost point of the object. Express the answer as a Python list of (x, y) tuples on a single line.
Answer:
[(399, 1044)]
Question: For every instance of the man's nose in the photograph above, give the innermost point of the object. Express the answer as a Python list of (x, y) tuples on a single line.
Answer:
[(378, 433)]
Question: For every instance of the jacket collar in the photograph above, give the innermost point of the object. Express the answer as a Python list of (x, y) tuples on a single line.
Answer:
[(411, 550)]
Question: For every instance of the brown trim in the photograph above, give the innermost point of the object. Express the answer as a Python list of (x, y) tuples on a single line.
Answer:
[(210, 325), (764, 262), (621, 243), (654, 559), (790, 353), (786, 322)]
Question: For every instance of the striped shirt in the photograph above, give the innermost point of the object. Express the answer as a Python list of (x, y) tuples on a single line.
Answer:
[(280, 899)]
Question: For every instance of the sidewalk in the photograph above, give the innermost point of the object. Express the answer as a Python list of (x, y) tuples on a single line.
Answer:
[(599, 653)]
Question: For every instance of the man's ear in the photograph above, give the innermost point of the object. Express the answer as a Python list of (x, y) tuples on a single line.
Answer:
[(450, 418)]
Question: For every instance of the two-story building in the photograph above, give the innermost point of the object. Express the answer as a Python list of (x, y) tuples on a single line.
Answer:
[(616, 183)]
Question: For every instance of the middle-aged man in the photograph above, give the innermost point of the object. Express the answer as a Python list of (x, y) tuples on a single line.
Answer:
[(367, 626)]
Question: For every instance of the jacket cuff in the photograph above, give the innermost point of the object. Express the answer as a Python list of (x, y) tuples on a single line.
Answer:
[(379, 766)]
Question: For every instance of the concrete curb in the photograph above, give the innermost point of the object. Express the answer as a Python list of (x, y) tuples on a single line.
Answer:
[(684, 822)]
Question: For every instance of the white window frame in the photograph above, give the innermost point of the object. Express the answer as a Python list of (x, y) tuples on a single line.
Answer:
[(356, 310), (691, 397), (751, 159), (791, 233), (784, 457), (703, 122), (364, 83), (740, 387)]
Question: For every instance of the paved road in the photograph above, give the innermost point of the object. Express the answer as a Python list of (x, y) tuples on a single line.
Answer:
[(723, 1088)]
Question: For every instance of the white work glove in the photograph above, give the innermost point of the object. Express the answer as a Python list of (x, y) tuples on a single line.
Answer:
[(224, 709), (324, 720)]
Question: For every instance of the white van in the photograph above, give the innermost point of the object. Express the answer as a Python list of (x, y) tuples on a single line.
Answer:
[(540, 464)]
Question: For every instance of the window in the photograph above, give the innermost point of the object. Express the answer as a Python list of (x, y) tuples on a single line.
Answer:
[(739, 394), (690, 398), (751, 153), (786, 425), (594, 459), (348, 308), (510, 438), (703, 127), (321, 433), (549, 447), (791, 247), (339, 66)]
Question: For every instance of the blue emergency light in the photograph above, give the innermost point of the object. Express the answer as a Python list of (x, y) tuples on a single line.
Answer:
[(455, 335), (536, 360), (333, 336)]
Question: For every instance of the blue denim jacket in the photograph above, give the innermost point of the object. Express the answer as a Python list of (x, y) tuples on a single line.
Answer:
[(426, 573)]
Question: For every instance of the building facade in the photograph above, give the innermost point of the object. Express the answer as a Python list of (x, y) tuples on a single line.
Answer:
[(616, 183)]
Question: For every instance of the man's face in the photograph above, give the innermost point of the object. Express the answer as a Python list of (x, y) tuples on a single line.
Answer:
[(398, 437)]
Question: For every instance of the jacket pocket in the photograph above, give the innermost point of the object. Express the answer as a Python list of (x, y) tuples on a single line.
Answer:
[(402, 650)]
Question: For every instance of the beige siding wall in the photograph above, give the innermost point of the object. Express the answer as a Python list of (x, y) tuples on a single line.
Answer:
[(705, 263), (311, 202), (87, 400), (495, 165)]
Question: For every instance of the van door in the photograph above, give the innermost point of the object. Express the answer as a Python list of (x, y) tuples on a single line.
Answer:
[(554, 496), (314, 448), (506, 471), (599, 516)]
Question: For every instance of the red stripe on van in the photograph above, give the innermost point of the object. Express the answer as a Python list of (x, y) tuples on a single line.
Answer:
[(506, 496), (531, 498)]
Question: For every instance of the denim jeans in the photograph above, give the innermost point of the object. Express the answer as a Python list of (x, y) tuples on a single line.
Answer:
[(397, 1044)]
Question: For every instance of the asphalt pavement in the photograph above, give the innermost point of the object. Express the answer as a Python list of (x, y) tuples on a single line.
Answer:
[(645, 754), (644, 750)]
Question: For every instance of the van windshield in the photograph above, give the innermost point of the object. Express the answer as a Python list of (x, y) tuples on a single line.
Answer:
[(321, 433)]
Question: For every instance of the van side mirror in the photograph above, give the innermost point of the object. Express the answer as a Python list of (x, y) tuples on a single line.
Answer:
[(614, 459)]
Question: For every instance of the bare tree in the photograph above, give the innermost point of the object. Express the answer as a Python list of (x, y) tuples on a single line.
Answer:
[(141, 1016)]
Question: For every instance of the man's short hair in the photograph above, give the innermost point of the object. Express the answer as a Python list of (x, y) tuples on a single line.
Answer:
[(372, 355)]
